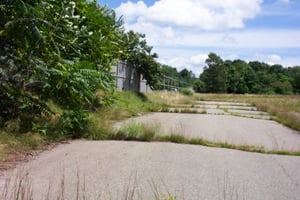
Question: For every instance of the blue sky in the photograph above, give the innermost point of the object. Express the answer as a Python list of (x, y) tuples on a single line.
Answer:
[(183, 32)]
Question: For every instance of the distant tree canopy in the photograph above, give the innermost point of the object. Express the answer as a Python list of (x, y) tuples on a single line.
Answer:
[(240, 77)]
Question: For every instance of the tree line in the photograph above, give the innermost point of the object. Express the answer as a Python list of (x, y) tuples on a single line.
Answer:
[(240, 77), (63, 51)]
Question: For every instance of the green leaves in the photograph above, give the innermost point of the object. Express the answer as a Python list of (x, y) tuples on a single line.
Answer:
[(60, 50), (214, 76), (63, 51), (240, 77), (138, 54), (72, 123)]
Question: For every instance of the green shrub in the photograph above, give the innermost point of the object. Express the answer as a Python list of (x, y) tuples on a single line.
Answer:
[(187, 91), (72, 124)]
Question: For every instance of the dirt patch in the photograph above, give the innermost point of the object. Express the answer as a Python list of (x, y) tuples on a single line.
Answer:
[(13, 158)]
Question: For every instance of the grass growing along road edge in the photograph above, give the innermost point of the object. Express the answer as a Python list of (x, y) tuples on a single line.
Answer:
[(146, 133), (15, 142)]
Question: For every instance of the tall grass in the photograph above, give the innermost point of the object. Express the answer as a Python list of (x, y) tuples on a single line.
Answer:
[(136, 132), (169, 98)]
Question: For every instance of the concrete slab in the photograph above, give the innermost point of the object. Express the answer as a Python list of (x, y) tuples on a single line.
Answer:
[(248, 112), (224, 128), (133, 170), (212, 111), (222, 103)]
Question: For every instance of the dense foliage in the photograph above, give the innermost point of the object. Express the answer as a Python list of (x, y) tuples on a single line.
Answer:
[(62, 51), (240, 77)]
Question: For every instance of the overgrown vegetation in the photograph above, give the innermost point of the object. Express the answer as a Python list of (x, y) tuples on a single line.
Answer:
[(187, 91), (56, 61)]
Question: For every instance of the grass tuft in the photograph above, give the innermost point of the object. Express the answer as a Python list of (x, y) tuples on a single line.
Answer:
[(175, 138), (135, 132)]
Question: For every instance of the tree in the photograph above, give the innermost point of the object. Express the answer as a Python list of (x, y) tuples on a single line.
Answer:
[(169, 71), (254, 77), (214, 75), (237, 76), (140, 57), (294, 74), (199, 86)]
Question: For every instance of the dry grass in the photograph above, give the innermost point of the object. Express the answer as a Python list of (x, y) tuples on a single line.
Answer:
[(169, 98)]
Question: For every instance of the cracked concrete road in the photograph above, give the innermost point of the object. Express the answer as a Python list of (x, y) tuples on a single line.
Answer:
[(112, 169), (227, 122)]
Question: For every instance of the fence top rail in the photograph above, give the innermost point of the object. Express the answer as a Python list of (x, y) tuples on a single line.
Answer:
[(176, 80)]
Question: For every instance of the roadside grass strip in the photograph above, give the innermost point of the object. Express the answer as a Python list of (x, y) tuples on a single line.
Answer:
[(148, 133)]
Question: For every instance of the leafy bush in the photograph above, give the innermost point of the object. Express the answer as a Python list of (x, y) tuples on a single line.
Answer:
[(21, 106), (187, 91), (54, 55), (72, 124)]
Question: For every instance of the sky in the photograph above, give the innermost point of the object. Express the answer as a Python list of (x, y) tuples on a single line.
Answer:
[(184, 32)]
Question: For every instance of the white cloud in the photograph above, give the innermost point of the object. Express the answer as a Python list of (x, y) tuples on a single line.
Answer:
[(183, 32), (198, 59), (181, 23), (264, 38), (181, 60), (156, 35), (282, 59), (131, 10), (204, 14), (232, 57), (274, 59)]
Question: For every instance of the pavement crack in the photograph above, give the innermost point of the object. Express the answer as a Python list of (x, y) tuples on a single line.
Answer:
[(295, 183)]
